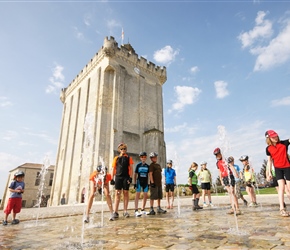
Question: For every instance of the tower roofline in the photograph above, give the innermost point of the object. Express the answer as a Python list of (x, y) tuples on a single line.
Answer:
[(125, 52)]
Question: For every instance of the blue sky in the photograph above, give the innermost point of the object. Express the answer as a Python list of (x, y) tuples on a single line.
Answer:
[(227, 66)]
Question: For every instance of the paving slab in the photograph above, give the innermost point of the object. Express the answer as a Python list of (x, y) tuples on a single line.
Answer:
[(180, 228)]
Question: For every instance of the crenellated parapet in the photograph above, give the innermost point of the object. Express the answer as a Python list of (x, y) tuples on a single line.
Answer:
[(125, 53)]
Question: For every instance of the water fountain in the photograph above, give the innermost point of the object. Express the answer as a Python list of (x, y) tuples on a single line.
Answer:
[(87, 160), (42, 174), (225, 146), (177, 188)]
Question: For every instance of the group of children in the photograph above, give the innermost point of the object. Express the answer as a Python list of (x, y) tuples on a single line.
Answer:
[(146, 177), (231, 177), (230, 174)]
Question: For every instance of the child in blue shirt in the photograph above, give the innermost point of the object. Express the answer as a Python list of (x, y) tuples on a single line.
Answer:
[(14, 204), (170, 183)]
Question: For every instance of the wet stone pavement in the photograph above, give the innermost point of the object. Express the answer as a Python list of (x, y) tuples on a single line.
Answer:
[(180, 228)]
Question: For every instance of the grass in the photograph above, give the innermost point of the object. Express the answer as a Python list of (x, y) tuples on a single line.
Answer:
[(269, 190)]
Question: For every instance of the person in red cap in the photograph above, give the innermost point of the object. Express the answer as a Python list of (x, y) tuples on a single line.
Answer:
[(277, 153), (227, 175)]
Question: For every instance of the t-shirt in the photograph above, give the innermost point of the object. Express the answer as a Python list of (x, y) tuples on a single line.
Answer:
[(192, 175), (169, 174), (204, 175), (279, 154), (142, 171), (238, 172), (249, 173), (156, 170), (93, 178), (224, 169), (118, 172), (16, 185)]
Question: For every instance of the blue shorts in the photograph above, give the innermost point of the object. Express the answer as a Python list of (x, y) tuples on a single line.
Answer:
[(139, 188)]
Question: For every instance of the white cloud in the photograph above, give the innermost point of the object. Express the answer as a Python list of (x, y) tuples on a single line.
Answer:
[(262, 30), (281, 102), (56, 80), (247, 139), (78, 34), (277, 52), (44, 136), (10, 135), (176, 129), (4, 102), (113, 24), (194, 69), (87, 19), (185, 95), (221, 89), (166, 55)]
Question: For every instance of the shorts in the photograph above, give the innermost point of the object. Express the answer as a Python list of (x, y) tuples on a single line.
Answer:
[(274, 182), (156, 193), (121, 183), (250, 184), (205, 185), (238, 189), (169, 187), (195, 189), (140, 188), (282, 173), (229, 181), (14, 204)]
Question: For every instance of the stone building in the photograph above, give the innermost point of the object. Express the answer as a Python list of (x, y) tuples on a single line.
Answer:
[(117, 97), (38, 181)]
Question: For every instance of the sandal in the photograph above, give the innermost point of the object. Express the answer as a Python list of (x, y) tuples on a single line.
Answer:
[(231, 211), (283, 213)]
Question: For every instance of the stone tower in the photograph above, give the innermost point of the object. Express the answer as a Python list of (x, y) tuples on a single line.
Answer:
[(117, 97)]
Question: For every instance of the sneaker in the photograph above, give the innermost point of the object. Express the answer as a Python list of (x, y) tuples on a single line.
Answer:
[(126, 215), (152, 212), (251, 204), (161, 211), (245, 203), (255, 204), (112, 218), (4, 222), (115, 215), (14, 222), (87, 220), (143, 211), (138, 214), (205, 205), (211, 205)]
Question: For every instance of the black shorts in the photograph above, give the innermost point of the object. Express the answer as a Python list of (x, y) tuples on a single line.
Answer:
[(205, 185), (121, 183), (169, 187), (229, 181), (195, 189), (282, 173), (274, 182)]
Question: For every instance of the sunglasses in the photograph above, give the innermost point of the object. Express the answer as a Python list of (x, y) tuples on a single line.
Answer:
[(123, 149)]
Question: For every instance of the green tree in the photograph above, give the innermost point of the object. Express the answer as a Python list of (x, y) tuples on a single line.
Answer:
[(264, 169), (218, 181)]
